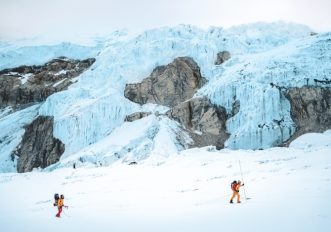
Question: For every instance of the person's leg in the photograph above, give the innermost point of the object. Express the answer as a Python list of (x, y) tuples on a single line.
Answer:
[(59, 213), (238, 201), (233, 196)]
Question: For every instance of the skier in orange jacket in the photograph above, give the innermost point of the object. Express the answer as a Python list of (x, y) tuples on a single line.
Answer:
[(235, 188)]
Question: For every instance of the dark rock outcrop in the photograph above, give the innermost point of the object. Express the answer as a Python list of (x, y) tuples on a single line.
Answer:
[(26, 85), (222, 57), (174, 86), (38, 148), (310, 109), (168, 85), (204, 121), (136, 116)]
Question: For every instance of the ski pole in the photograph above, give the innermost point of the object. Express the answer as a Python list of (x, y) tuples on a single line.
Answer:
[(65, 212), (242, 177)]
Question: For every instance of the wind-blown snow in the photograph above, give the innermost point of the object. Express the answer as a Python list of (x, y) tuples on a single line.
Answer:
[(288, 190), (92, 108)]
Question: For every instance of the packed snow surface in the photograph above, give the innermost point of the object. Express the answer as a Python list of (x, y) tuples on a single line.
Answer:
[(288, 189)]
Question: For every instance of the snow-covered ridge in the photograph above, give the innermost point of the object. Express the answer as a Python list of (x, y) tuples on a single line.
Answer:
[(90, 110), (13, 55)]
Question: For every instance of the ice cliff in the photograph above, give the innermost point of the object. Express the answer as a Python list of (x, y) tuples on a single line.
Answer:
[(266, 60)]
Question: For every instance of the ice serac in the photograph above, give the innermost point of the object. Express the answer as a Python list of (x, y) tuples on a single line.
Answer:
[(257, 80), (168, 85), (310, 109), (39, 148), (26, 85), (205, 121)]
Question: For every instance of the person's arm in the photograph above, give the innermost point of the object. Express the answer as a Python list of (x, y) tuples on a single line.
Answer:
[(65, 206)]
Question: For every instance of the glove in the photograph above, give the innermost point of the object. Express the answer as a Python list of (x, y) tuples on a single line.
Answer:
[(237, 191), (243, 184), (54, 204)]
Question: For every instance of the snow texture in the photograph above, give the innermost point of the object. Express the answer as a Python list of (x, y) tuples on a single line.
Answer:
[(288, 190)]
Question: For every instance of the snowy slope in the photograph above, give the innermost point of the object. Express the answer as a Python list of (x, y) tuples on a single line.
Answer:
[(289, 190), (151, 137), (91, 109)]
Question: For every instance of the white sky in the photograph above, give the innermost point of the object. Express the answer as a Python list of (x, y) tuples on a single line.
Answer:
[(84, 18)]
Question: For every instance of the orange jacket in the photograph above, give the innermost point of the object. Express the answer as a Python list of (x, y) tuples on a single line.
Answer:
[(60, 203), (238, 186)]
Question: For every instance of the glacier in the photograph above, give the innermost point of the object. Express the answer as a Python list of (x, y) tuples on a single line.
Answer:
[(265, 57)]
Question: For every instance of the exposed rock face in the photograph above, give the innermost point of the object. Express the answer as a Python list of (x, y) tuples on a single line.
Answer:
[(205, 121), (174, 85), (38, 147), (25, 85), (310, 109), (168, 85), (222, 57), (136, 116)]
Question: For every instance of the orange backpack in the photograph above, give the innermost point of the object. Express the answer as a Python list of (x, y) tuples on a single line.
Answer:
[(234, 185)]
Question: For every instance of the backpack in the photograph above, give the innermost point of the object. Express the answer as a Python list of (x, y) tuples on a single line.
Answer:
[(56, 198), (234, 185)]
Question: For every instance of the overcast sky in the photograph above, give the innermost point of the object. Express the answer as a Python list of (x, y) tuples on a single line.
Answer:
[(83, 18)]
